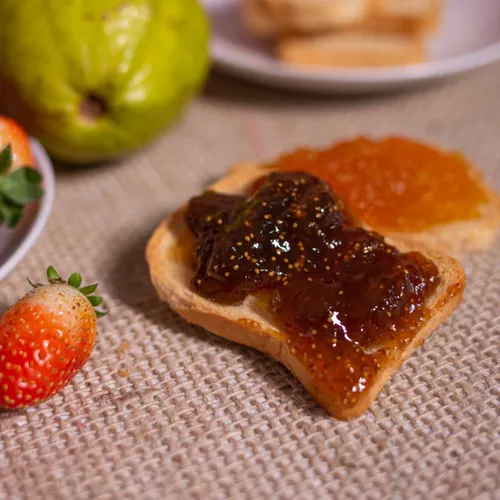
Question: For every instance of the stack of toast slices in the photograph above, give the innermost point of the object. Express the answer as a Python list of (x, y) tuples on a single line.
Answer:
[(344, 33)]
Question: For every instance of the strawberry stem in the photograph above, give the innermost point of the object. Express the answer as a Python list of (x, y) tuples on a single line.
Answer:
[(34, 285), (75, 280)]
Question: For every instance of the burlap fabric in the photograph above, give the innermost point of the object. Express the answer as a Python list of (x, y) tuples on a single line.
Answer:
[(165, 410)]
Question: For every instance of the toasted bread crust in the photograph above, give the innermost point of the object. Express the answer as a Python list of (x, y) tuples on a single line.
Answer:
[(350, 49), (246, 324)]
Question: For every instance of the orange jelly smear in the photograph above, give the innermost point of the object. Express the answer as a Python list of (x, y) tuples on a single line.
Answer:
[(395, 184)]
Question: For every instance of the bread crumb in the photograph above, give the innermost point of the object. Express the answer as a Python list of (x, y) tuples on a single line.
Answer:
[(124, 347), (123, 372)]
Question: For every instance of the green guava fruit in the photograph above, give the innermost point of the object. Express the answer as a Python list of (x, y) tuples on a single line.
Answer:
[(95, 79)]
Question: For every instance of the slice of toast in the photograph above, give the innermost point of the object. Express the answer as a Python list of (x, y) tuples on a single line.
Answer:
[(169, 257), (350, 49), (269, 18), (257, 19), (409, 16)]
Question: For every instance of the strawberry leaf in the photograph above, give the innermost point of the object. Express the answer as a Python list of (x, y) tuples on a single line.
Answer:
[(10, 213), (75, 280), (100, 314), (22, 186), (87, 290), (17, 188), (5, 159), (95, 300), (52, 274)]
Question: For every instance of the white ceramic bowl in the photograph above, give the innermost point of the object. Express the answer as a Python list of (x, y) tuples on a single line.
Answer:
[(15, 243), (468, 37)]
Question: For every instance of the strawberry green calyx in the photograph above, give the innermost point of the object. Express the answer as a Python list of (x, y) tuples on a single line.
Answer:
[(17, 188), (75, 280)]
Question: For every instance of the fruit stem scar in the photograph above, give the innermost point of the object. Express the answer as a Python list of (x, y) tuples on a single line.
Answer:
[(93, 107)]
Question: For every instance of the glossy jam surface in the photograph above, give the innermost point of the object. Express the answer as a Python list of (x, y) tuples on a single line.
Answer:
[(395, 184), (345, 297)]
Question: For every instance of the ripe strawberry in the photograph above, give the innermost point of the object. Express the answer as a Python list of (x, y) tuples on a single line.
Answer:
[(45, 339), (12, 133), (19, 182)]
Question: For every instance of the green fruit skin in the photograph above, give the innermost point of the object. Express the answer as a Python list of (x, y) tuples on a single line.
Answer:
[(143, 58)]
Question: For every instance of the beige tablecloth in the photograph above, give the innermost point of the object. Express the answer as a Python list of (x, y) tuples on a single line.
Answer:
[(166, 410)]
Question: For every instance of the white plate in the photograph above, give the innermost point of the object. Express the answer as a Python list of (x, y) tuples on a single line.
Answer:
[(15, 243), (469, 37)]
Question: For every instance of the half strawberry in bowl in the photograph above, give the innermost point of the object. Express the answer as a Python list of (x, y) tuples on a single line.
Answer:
[(27, 187)]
